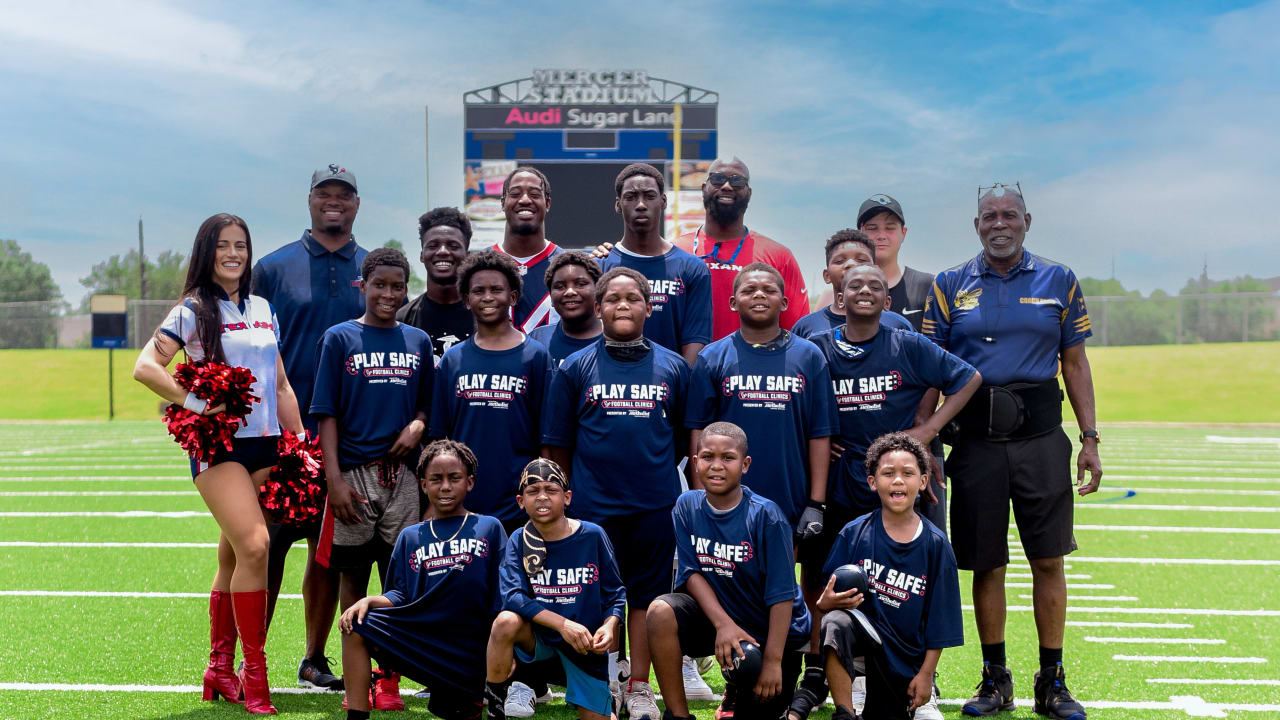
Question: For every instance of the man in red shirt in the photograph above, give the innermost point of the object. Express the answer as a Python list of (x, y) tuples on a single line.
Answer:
[(726, 245)]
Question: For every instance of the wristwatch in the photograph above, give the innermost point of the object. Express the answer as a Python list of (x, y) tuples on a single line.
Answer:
[(1090, 434)]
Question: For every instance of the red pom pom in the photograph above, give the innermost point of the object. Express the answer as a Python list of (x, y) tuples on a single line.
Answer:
[(292, 493), (204, 435)]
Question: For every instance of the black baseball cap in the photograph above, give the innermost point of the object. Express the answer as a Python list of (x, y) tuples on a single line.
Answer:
[(336, 173), (875, 204)]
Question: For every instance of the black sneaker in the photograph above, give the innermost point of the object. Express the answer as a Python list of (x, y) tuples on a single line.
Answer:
[(995, 692), (495, 700), (843, 714), (1053, 699), (810, 694), (315, 672)]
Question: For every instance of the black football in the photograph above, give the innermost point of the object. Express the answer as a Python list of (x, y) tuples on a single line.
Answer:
[(851, 577), (747, 668)]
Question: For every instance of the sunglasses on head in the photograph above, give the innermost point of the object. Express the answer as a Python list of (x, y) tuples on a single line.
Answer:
[(716, 179), (999, 189)]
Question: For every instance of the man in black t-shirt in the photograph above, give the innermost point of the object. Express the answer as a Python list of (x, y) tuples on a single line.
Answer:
[(446, 237)]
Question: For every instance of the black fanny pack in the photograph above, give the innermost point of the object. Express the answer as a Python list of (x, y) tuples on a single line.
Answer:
[(1016, 411)]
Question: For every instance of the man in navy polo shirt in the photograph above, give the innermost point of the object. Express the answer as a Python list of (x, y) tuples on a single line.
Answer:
[(313, 284), (1016, 317)]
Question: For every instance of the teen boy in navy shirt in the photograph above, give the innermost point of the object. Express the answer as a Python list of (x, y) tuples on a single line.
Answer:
[(736, 573), (490, 387), (372, 397), (680, 282), (561, 597), (623, 398), (914, 606), (844, 250), (438, 567), (571, 278)]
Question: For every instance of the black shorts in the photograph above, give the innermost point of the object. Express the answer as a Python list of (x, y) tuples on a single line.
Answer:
[(644, 545), (698, 639), (1035, 474), (935, 513), (886, 692), (355, 558), (813, 552), (254, 453)]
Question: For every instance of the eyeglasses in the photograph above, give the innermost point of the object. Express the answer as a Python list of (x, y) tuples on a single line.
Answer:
[(999, 189), (716, 179)]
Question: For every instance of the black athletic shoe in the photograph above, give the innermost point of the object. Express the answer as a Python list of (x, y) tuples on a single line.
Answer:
[(810, 694), (1053, 699), (995, 692), (495, 700), (315, 672), (843, 714)]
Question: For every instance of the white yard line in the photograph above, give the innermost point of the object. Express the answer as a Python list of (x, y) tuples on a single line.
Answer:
[(1199, 491), (1198, 479), (91, 545), (83, 446), (117, 514), (1077, 609), (1092, 623), (1233, 440), (1077, 586), (1174, 561), (1212, 681), (1069, 576), (158, 477), (1180, 529), (117, 594), (1190, 659), (1154, 641), (1121, 505), (97, 493), (96, 466), (1115, 598)]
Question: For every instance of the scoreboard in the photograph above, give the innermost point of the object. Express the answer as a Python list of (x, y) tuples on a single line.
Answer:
[(580, 128)]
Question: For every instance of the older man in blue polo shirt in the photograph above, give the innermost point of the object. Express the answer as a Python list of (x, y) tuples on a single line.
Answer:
[(313, 284), (1017, 317)]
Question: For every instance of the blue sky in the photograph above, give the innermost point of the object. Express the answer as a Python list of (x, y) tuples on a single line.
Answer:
[(1142, 133)]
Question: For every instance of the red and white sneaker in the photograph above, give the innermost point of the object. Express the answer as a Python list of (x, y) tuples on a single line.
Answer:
[(386, 691)]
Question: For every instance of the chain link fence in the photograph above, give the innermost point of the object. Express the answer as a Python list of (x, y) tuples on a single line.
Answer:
[(1117, 320)]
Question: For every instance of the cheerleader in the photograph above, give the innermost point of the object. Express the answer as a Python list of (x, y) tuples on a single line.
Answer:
[(219, 321)]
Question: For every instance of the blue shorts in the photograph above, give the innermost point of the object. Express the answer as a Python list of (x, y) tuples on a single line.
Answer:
[(254, 453), (644, 545), (581, 688)]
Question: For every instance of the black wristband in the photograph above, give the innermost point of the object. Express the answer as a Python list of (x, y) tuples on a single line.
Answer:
[(815, 504)]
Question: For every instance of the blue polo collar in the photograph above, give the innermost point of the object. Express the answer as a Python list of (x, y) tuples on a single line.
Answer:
[(978, 266), (347, 251)]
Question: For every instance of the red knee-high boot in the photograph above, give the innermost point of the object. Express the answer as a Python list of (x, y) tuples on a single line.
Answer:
[(251, 620), (220, 676)]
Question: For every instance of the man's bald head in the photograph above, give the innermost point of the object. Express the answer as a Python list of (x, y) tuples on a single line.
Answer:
[(1002, 191), (730, 166)]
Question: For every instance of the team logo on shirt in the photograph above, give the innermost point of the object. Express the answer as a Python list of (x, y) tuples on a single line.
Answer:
[(721, 558), (256, 324), (492, 389), (563, 585), (967, 299), (392, 367), (624, 397), (865, 393), (773, 391), (436, 557), (892, 586), (661, 291)]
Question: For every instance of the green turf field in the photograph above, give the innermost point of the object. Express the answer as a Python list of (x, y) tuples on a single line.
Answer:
[(1157, 383), (1175, 608)]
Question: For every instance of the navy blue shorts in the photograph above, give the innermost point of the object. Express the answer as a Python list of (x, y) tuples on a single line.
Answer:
[(254, 453), (645, 546)]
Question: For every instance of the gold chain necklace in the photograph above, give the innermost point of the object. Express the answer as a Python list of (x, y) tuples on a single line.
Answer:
[(432, 527)]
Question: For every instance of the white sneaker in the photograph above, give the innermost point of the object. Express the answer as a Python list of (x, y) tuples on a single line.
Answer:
[(860, 694), (695, 688), (619, 675), (519, 702), (929, 710), (640, 702), (705, 664)]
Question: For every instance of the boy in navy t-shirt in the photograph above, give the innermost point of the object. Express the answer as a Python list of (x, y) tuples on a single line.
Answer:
[(562, 597), (680, 282), (437, 567), (736, 580), (372, 397), (571, 280), (490, 387), (844, 250), (914, 608), (615, 415)]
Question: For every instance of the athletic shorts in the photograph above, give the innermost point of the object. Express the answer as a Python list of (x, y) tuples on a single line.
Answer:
[(644, 545), (407, 651), (1035, 474), (813, 552), (388, 510), (935, 513), (254, 453), (886, 692), (581, 688), (698, 639)]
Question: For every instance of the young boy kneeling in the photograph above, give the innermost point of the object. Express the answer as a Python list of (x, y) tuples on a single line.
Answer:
[(914, 611), (438, 600), (562, 597), (737, 572)]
